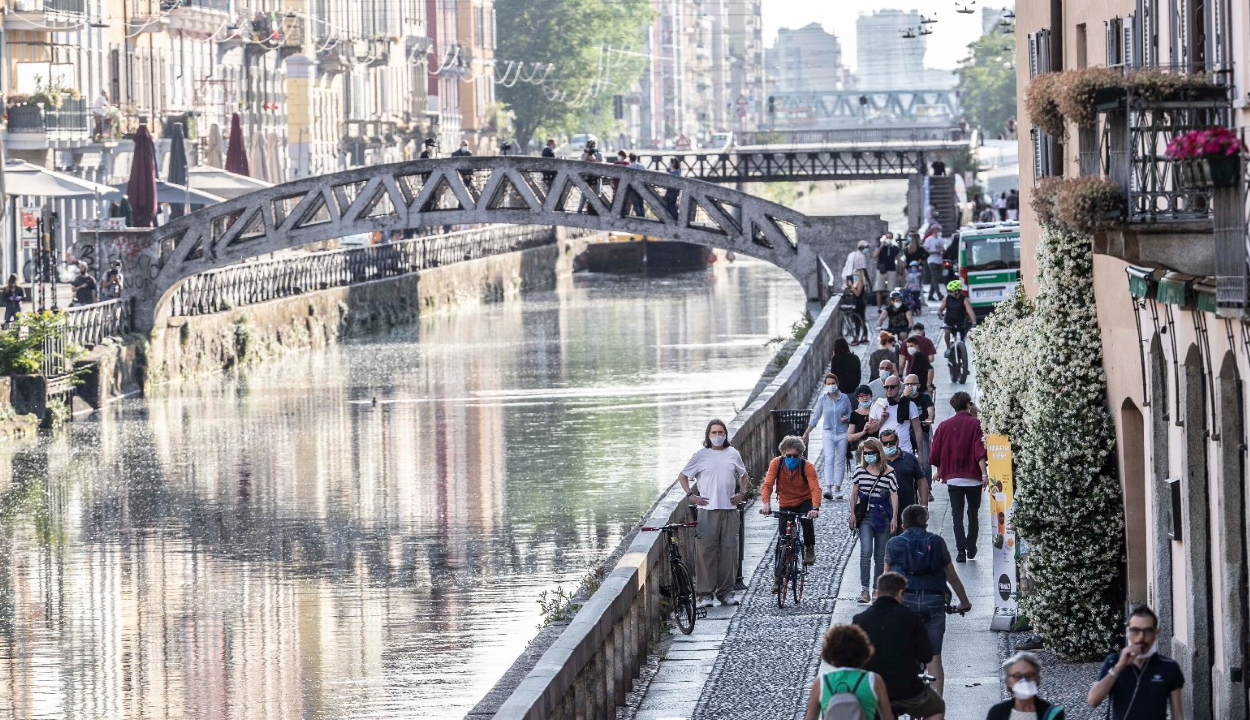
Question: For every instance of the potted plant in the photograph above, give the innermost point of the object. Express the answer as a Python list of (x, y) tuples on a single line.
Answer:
[(1083, 203), (1042, 104), (1208, 157), (1080, 92)]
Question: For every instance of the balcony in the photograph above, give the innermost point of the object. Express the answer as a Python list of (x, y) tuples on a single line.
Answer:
[(199, 18), (46, 15), (32, 127), (1165, 223)]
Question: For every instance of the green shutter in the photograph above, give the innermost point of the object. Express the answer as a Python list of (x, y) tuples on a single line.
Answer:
[(1171, 290), (1139, 280)]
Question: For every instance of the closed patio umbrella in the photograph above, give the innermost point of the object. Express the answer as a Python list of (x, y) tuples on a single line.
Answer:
[(256, 152), (177, 173), (236, 153), (141, 189), (223, 183), (213, 156)]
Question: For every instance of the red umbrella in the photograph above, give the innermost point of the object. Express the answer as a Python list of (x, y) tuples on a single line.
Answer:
[(141, 190), (236, 155)]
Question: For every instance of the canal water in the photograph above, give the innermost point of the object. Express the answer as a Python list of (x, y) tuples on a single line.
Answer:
[(362, 531)]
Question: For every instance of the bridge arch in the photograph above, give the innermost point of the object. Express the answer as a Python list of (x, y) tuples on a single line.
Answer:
[(471, 190)]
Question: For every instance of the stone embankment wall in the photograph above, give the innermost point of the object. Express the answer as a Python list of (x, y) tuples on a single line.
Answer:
[(189, 346), (591, 665)]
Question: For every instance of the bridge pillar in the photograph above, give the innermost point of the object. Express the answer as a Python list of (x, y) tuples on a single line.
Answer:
[(833, 237)]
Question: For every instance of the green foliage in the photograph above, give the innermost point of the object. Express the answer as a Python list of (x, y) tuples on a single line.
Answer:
[(987, 82), (573, 36), (244, 339), (21, 344), (1042, 381), (59, 413), (560, 605)]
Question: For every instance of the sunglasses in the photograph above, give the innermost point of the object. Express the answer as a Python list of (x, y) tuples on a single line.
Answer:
[(893, 443), (891, 387)]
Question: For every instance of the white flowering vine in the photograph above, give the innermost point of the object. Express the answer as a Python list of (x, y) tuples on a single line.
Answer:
[(1042, 383)]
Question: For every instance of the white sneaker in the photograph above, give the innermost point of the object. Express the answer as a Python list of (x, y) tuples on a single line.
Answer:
[(705, 601), (730, 599), (837, 493)]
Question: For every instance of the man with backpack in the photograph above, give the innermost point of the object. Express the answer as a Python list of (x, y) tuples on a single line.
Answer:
[(922, 558), (901, 647)]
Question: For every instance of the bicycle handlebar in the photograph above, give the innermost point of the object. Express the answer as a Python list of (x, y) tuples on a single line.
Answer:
[(789, 513), (670, 526)]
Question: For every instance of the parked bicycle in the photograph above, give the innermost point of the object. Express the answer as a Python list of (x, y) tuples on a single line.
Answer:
[(680, 590), (789, 559)]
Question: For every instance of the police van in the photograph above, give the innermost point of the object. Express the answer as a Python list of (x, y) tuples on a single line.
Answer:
[(989, 263)]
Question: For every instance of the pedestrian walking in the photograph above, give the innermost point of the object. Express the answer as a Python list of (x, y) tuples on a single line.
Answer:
[(798, 491), (635, 200), (958, 454), (887, 349), (852, 302), (900, 414), (873, 512), (845, 364), (912, 389), (862, 424), (13, 297), (428, 147), (1000, 206), (843, 688), (463, 150), (886, 256), (1022, 674), (922, 558), (549, 152), (886, 369), (1013, 205), (908, 475), (900, 645), (915, 251), (917, 361), (671, 194), (833, 407), (590, 153), (856, 265), (717, 467), (1142, 683), (926, 346)]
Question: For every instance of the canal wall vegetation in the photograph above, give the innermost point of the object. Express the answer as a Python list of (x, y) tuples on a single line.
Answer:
[(586, 667)]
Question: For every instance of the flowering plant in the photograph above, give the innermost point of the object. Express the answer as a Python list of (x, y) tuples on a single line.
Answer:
[(1207, 142)]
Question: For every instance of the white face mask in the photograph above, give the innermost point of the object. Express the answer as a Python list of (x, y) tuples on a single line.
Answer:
[(831, 389), (885, 374), (1150, 650), (911, 351), (717, 440), (1024, 689)]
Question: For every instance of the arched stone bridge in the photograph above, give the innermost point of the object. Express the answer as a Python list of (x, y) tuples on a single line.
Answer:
[(472, 190)]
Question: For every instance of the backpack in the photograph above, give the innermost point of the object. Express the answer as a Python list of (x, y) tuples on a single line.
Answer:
[(919, 558), (843, 702)]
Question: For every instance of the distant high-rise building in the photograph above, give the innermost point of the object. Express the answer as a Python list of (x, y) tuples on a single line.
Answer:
[(887, 59), (808, 59)]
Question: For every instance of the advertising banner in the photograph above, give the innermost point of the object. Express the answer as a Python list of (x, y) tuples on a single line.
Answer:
[(1002, 499)]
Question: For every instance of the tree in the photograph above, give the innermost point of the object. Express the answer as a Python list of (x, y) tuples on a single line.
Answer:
[(987, 82), (576, 55)]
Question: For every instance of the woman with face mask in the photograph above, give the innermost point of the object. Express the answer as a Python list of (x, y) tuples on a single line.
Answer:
[(872, 513), (1022, 673), (834, 409)]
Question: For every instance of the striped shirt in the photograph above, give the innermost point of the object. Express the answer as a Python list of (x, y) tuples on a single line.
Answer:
[(886, 484)]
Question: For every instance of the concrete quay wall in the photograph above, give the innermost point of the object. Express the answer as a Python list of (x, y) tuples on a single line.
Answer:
[(590, 666)]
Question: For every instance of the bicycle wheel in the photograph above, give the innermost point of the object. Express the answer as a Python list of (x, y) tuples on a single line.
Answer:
[(683, 599), (852, 327), (787, 558), (963, 363), (799, 573)]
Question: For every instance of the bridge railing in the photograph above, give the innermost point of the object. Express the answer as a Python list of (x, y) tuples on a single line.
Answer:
[(257, 282), (865, 137)]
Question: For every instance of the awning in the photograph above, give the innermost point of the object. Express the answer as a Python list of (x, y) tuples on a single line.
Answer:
[(1174, 289), (1204, 300), (1140, 281), (23, 178)]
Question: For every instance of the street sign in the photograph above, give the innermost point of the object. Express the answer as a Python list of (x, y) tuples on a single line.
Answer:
[(742, 101), (683, 142), (29, 217)]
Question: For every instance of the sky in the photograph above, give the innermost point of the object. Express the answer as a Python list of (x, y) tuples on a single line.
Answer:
[(946, 47)]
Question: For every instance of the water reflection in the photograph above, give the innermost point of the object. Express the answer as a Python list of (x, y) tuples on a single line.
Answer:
[(361, 531)]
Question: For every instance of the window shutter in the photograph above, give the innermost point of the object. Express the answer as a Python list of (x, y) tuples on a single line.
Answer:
[(1033, 58), (1146, 21), (1130, 42)]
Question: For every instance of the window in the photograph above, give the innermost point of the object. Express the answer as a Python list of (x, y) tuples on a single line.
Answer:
[(1115, 48), (1082, 47)]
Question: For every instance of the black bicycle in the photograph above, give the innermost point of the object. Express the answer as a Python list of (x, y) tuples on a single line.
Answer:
[(957, 352), (680, 590), (789, 559), (924, 675)]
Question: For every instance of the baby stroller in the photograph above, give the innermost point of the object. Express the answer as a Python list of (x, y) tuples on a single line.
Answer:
[(913, 289)]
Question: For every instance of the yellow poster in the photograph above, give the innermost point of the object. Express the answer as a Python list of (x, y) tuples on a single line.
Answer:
[(1002, 499)]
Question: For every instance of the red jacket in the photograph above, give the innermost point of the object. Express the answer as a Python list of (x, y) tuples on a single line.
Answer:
[(958, 447)]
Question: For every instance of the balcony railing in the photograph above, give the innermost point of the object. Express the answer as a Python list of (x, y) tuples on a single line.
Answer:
[(1135, 134), (78, 7), (71, 117)]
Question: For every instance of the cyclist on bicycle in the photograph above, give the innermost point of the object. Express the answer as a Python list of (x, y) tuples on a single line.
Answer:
[(852, 303), (896, 316), (956, 312), (900, 648), (798, 490)]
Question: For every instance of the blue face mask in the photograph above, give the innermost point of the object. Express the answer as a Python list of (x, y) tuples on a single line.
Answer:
[(792, 463), (870, 458), (865, 403), (885, 374)]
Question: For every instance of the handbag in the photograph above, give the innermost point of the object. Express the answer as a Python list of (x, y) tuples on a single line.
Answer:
[(861, 503)]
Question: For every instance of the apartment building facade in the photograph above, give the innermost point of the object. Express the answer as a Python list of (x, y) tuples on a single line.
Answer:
[(1172, 283)]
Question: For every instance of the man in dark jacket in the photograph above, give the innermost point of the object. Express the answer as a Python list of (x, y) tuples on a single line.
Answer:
[(900, 649)]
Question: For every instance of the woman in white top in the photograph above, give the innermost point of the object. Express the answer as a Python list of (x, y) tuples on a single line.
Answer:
[(717, 468)]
